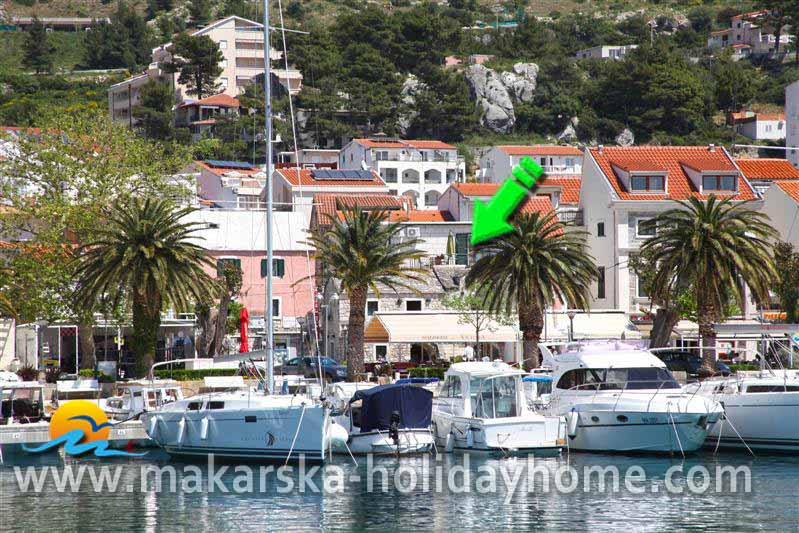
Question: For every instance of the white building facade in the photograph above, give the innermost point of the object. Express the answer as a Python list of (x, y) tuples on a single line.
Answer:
[(762, 127), (792, 122), (497, 162), (605, 52), (419, 170)]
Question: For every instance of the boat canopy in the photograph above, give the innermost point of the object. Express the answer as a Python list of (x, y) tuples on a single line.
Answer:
[(414, 405), (537, 379), (418, 381)]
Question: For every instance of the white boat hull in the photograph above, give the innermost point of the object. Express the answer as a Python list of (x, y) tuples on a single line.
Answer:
[(275, 433), (634, 431), (765, 421), (410, 441), (505, 436)]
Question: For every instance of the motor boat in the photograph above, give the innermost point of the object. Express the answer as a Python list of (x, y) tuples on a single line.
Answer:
[(538, 388), (620, 398), (245, 425), (761, 410), (22, 404), (389, 419), (481, 406), (133, 398)]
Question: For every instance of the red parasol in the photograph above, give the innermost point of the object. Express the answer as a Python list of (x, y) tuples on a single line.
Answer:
[(244, 322)]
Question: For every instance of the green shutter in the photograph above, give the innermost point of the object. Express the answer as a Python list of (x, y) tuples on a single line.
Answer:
[(278, 268), (263, 268), (461, 248)]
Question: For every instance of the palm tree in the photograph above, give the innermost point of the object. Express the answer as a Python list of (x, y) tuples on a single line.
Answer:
[(715, 246), (362, 251), (530, 268), (144, 254)]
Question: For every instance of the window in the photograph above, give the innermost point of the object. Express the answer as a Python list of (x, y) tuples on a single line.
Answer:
[(718, 183), (389, 175), (382, 155), (381, 351), (569, 161), (452, 388), (413, 305), (276, 307), (600, 283), (223, 261), (223, 63), (216, 405), (278, 267), (248, 201), (640, 288), (648, 183), (646, 227), (462, 249), (193, 406), (223, 45), (372, 307), (600, 229), (617, 379)]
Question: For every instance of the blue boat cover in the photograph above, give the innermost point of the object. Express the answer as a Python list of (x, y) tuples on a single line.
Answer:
[(414, 404), (537, 378), (420, 381)]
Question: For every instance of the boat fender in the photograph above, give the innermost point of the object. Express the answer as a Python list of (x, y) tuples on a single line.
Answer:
[(337, 436), (572, 418), (181, 430), (470, 437), (204, 428), (450, 445)]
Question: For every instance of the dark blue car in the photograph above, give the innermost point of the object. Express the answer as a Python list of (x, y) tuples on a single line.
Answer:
[(306, 366), (684, 361)]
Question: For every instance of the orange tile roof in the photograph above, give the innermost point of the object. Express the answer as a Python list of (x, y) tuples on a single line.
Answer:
[(219, 100), (476, 189), (399, 143), (569, 187), (540, 149), (306, 178), (326, 206), (637, 165), (791, 188), (670, 158), (708, 165), (420, 216), (767, 169), (536, 204), (759, 117), (221, 171)]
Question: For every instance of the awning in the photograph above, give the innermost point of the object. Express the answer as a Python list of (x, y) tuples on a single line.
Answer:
[(594, 325), (439, 326)]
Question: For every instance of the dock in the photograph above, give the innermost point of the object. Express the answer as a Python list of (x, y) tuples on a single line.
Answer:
[(39, 433)]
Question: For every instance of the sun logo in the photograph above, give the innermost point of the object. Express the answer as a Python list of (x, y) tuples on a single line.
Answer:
[(81, 427)]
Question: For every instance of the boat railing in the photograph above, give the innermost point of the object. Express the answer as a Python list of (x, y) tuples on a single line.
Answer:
[(621, 387)]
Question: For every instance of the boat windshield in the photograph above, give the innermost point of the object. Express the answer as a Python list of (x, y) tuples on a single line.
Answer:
[(494, 397), (617, 379)]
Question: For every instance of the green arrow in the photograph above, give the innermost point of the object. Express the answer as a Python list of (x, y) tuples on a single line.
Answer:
[(491, 220)]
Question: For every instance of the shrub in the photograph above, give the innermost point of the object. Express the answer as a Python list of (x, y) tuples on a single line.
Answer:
[(28, 373), (101, 378), (743, 366), (190, 375), (51, 374), (427, 372)]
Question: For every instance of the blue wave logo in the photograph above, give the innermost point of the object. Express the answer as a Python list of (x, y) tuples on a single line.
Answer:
[(81, 426)]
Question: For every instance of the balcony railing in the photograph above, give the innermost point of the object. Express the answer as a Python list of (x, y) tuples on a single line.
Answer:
[(561, 169), (573, 216), (420, 159)]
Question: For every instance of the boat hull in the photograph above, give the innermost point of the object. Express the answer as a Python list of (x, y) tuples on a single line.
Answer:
[(410, 442), (765, 421), (284, 433), (540, 435)]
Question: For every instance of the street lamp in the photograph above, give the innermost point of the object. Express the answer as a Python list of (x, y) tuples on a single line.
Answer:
[(571, 315)]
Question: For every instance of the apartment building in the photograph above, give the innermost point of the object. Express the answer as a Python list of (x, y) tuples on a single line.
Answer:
[(228, 184), (420, 170), (497, 162), (241, 42), (748, 35)]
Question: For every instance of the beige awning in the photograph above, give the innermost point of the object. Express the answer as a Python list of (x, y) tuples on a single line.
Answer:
[(438, 326)]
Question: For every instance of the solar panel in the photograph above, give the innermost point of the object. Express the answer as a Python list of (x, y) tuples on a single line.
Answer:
[(342, 175), (227, 164)]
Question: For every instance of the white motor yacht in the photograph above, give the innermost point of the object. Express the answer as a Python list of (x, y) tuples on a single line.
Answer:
[(761, 410), (618, 398), (482, 406), (385, 419), (133, 398), (22, 405)]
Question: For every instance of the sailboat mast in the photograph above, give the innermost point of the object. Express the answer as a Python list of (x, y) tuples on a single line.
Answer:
[(270, 334)]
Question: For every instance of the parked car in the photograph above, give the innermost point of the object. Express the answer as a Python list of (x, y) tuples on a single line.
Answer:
[(688, 362), (306, 366)]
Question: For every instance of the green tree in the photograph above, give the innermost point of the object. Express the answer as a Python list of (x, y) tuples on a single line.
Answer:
[(716, 246), (472, 312), (542, 261), (361, 251), (197, 59), (201, 11), (38, 49), (154, 112), (736, 83), (125, 42), (108, 164), (146, 254), (154, 7), (786, 261)]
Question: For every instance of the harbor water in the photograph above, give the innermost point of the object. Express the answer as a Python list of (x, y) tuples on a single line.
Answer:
[(209, 497)]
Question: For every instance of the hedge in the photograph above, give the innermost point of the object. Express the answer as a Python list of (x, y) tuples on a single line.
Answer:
[(427, 372), (193, 375), (743, 366)]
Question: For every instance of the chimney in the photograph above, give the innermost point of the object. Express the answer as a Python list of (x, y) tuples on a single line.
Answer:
[(600, 148), (711, 148)]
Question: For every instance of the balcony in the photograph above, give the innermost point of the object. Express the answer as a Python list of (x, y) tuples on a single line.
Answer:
[(574, 216), (420, 159), (561, 169)]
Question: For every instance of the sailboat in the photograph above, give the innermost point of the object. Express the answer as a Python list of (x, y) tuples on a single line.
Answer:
[(250, 424)]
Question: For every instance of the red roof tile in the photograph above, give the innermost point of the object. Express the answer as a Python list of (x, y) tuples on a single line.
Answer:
[(791, 188), (305, 177), (399, 143), (540, 149), (637, 165), (536, 204), (670, 158), (760, 117), (569, 187), (326, 205), (704, 164), (476, 189), (767, 169), (218, 100)]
